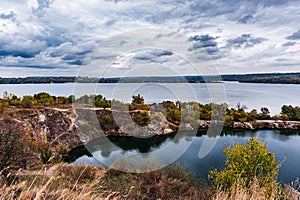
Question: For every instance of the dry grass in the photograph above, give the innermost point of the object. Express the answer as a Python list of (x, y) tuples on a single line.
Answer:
[(90, 182), (66, 182), (172, 182), (159, 184), (258, 193), (239, 193), (293, 190), (21, 191)]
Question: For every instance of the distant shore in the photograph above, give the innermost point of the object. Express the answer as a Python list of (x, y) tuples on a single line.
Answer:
[(274, 78)]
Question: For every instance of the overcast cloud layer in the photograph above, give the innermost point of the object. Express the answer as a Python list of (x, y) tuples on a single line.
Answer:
[(48, 37)]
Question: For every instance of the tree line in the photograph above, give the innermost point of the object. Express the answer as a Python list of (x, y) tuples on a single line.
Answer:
[(175, 111)]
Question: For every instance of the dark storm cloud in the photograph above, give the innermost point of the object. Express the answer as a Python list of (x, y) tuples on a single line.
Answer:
[(244, 41), (246, 19), (162, 53), (202, 41), (76, 62), (10, 15), (289, 44), (74, 58), (153, 55), (205, 43), (21, 54), (294, 36), (34, 66)]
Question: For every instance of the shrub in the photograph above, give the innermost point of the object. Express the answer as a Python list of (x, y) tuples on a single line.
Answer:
[(3, 105), (14, 149), (172, 182), (137, 99), (107, 119), (143, 118), (27, 101), (46, 155), (246, 164), (44, 98), (174, 116), (293, 113)]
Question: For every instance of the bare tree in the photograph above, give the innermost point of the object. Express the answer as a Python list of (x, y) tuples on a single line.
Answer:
[(241, 107)]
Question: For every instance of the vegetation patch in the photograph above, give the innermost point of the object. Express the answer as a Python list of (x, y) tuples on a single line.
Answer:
[(249, 168)]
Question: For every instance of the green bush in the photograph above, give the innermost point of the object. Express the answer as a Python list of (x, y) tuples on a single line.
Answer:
[(293, 113), (137, 99), (46, 155), (26, 102), (174, 116), (3, 105), (143, 118), (246, 164), (107, 119)]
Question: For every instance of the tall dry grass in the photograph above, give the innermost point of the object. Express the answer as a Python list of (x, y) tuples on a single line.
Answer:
[(293, 190), (65, 182), (170, 183), (290, 192), (90, 182)]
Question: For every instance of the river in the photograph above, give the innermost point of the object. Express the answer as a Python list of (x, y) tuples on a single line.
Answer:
[(253, 95)]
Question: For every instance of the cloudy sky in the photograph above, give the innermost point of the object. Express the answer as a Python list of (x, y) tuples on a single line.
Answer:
[(55, 37)]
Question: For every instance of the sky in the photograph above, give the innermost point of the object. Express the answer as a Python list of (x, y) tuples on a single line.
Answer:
[(66, 38)]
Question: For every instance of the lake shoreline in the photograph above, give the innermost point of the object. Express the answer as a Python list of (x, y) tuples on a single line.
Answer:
[(55, 127), (42, 121)]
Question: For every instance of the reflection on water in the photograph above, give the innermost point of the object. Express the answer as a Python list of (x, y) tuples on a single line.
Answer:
[(285, 145)]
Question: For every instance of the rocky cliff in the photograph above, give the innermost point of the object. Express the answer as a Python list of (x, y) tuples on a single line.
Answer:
[(50, 124), (66, 127)]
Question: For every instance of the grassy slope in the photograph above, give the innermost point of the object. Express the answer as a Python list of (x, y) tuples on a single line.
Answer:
[(90, 182)]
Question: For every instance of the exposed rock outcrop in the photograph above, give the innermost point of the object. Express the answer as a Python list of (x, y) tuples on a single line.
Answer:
[(68, 127), (53, 125)]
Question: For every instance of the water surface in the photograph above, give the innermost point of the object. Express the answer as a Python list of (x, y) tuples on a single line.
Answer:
[(285, 145), (253, 95)]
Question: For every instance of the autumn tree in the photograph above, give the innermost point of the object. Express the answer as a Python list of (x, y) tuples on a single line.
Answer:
[(138, 99), (44, 98), (27, 101), (246, 164), (293, 113)]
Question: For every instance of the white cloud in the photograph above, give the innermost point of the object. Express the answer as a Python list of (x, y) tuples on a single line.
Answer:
[(58, 35)]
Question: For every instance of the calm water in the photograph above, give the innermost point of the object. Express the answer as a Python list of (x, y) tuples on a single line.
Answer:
[(253, 95), (286, 148), (273, 96)]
